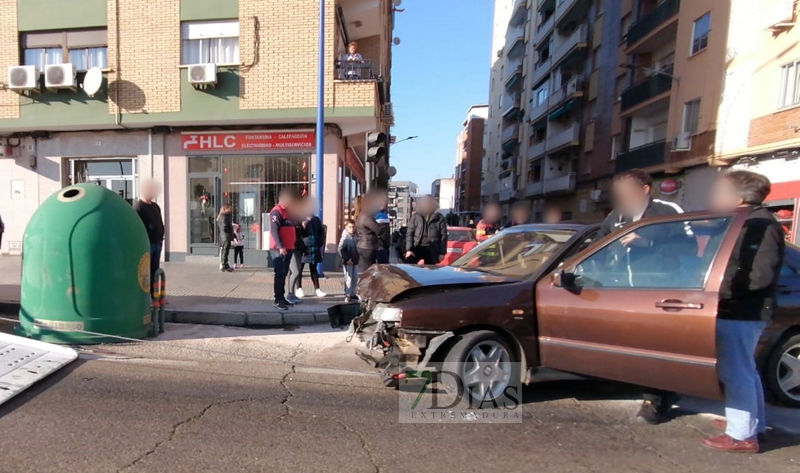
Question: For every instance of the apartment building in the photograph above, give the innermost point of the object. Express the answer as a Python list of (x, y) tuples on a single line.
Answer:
[(214, 98), (469, 160), (402, 196), (759, 112), (444, 191), (491, 170)]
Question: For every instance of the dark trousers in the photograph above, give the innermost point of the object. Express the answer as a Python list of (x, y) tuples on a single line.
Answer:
[(224, 251), (422, 253), (238, 254), (155, 261), (382, 257), (661, 400), (280, 265), (366, 258)]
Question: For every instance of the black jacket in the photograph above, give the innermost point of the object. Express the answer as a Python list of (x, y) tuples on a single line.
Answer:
[(748, 287), (435, 225), (225, 225), (369, 232)]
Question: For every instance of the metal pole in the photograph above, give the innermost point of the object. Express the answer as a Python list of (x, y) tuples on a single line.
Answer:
[(320, 135)]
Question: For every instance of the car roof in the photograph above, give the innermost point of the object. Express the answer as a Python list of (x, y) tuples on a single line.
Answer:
[(534, 227), (466, 229)]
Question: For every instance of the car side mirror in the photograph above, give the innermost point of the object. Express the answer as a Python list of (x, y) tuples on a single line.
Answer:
[(563, 279)]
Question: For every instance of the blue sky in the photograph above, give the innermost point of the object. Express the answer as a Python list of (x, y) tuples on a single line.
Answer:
[(439, 70)]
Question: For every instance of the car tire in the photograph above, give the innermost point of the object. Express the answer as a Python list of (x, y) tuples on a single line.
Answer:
[(778, 369), (486, 379)]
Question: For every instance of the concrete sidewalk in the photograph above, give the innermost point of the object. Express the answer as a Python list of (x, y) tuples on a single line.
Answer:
[(197, 292)]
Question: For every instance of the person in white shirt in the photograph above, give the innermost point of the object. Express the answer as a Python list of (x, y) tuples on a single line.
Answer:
[(352, 62)]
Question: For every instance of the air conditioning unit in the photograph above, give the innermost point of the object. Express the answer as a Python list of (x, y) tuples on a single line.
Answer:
[(682, 142), (60, 76), (23, 78), (388, 113), (203, 74)]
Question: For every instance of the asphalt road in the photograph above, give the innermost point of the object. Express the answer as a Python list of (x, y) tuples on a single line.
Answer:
[(182, 406)]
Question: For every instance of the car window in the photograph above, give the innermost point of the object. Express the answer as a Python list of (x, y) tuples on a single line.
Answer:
[(460, 236), (588, 240), (664, 255), (515, 253)]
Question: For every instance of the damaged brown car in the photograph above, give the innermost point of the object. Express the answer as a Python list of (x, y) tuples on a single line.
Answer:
[(544, 302)]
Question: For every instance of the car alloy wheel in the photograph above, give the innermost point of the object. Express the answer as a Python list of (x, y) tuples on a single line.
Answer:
[(485, 364), (783, 372)]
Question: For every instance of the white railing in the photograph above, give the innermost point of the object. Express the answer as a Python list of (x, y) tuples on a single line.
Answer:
[(538, 111), (563, 7), (569, 135), (537, 149), (541, 69), (534, 188), (580, 35), (543, 29), (510, 132)]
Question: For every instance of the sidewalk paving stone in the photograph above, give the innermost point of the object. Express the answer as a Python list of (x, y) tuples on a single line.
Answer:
[(200, 293)]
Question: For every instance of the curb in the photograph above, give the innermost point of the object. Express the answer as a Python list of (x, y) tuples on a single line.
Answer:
[(247, 319)]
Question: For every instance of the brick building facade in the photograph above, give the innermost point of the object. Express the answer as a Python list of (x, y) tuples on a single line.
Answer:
[(234, 140)]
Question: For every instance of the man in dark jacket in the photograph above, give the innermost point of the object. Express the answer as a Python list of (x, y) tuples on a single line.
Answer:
[(746, 306), (426, 238), (632, 202), (520, 215), (282, 237), (150, 213)]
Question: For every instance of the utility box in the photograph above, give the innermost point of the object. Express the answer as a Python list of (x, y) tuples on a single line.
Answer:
[(85, 268)]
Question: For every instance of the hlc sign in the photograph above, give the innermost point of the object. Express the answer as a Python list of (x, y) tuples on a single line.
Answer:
[(247, 141)]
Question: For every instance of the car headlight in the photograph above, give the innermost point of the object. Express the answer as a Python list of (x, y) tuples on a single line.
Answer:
[(384, 313)]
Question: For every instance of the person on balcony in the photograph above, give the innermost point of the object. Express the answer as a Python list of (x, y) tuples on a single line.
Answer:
[(352, 62)]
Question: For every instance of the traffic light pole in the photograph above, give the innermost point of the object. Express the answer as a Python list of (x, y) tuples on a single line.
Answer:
[(320, 134)]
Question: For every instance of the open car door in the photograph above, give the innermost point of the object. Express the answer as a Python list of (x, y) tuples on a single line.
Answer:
[(642, 312)]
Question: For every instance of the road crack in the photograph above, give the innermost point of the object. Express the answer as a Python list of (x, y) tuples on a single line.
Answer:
[(289, 408)]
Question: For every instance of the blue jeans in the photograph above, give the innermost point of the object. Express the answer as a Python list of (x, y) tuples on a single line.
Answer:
[(280, 265), (736, 368)]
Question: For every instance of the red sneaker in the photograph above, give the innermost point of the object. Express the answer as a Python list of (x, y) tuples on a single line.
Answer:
[(728, 444)]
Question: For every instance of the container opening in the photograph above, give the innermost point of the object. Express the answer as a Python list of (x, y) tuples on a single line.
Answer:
[(71, 193)]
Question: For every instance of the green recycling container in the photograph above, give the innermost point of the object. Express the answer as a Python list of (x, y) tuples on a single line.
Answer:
[(85, 268)]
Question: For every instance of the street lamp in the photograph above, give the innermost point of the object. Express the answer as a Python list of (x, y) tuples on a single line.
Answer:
[(320, 135), (405, 139), (649, 70)]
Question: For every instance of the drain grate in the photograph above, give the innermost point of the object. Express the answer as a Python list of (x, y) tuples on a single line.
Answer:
[(23, 362)]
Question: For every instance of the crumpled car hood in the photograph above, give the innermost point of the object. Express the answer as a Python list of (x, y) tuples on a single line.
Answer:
[(382, 283)]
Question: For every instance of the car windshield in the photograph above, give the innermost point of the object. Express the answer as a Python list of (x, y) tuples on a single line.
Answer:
[(461, 236), (515, 252)]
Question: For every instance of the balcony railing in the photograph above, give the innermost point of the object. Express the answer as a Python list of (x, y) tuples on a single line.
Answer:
[(645, 25), (511, 104), (519, 12), (354, 70), (564, 183), (543, 29), (563, 7), (514, 76), (570, 135), (653, 86), (537, 149), (580, 35), (538, 111), (541, 69), (534, 188), (510, 133), (651, 154), (506, 194)]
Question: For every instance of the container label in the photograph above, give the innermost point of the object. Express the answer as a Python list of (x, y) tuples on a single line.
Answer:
[(58, 325), (147, 319), (143, 273)]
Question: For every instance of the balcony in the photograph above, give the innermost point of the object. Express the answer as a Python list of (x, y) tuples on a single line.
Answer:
[(576, 40), (520, 10), (560, 184), (514, 78), (511, 105), (510, 135), (564, 7), (652, 87), (352, 70), (651, 154), (544, 29), (538, 111), (534, 189), (570, 136), (541, 69), (537, 150), (544, 5), (662, 21), (573, 88), (515, 39)]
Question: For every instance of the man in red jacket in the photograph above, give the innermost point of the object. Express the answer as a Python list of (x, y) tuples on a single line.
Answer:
[(490, 223), (281, 243)]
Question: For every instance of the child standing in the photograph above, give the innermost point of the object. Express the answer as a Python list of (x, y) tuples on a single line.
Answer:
[(349, 254), (238, 246)]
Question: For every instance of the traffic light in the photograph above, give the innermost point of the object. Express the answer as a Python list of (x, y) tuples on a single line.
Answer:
[(376, 146)]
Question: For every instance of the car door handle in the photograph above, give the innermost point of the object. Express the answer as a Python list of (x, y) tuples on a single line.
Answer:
[(674, 304)]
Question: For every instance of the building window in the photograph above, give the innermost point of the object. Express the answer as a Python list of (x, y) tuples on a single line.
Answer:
[(541, 96), (700, 31), (625, 25), (210, 42), (691, 115), (83, 48), (790, 84)]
